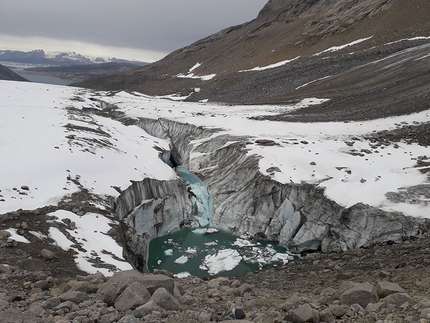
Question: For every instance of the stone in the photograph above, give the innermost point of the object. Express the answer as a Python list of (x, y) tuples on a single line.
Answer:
[(397, 299), (305, 313), (47, 254), (5, 270), (4, 235), (338, 310), (361, 294), (386, 288), (132, 297), (129, 319), (24, 225), (42, 284), (51, 303), (246, 288), (79, 286), (149, 307), (74, 296), (31, 264), (110, 290), (327, 316), (163, 272), (163, 298), (375, 307)]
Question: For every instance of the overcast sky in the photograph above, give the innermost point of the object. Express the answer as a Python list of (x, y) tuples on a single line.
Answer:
[(144, 30)]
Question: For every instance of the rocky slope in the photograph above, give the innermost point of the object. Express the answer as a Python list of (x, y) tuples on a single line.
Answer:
[(299, 30), (384, 283)]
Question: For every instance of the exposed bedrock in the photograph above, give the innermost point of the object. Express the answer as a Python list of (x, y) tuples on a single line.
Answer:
[(298, 215)]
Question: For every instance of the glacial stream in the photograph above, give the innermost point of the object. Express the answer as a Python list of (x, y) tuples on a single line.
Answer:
[(204, 251)]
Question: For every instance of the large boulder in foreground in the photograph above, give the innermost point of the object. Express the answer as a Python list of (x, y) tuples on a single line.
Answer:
[(361, 294), (112, 289)]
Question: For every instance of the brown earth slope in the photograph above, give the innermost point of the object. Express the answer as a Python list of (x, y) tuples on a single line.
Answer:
[(288, 29)]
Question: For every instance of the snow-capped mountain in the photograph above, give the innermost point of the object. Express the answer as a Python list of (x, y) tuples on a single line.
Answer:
[(40, 57)]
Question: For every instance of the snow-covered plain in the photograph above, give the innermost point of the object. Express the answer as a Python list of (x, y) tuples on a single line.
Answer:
[(52, 145)]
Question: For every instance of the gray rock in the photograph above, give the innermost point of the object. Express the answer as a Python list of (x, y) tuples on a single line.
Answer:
[(31, 264), (338, 310), (385, 288), (305, 313), (79, 286), (51, 303), (5, 270), (109, 291), (361, 294), (74, 296), (376, 307), (4, 235), (42, 284), (133, 296), (397, 299), (163, 298), (149, 307), (47, 254), (246, 288), (327, 316), (129, 319)]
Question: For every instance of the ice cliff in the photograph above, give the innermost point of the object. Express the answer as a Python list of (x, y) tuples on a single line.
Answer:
[(298, 215)]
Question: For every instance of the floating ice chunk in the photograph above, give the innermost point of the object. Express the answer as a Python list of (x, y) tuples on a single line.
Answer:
[(282, 257), (181, 260), (223, 260), (192, 251), (168, 252), (183, 274), (211, 230), (212, 243), (243, 243), (199, 231)]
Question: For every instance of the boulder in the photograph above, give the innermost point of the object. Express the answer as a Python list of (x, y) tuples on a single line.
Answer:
[(149, 307), (31, 264), (163, 298), (133, 296), (385, 288), (109, 291), (338, 310), (5, 270), (74, 296), (129, 319), (47, 254), (4, 234), (327, 316), (361, 294), (397, 299), (305, 313)]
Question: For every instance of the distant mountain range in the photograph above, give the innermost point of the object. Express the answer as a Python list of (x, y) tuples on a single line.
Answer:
[(40, 57)]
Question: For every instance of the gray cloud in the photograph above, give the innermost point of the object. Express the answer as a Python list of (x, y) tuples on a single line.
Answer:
[(157, 25)]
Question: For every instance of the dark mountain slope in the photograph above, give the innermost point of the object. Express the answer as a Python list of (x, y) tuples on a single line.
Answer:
[(287, 29), (9, 75), (81, 72)]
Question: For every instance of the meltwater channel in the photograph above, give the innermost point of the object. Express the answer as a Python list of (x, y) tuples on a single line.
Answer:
[(204, 251)]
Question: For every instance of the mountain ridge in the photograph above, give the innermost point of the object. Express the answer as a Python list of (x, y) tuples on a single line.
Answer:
[(40, 57), (283, 30), (9, 75)]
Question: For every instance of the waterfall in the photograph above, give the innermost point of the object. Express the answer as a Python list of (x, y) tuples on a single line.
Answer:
[(200, 196)]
